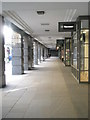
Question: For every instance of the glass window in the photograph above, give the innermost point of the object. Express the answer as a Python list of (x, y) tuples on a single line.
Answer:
[(84, 36), (84, 50), (84, 63), (84, 76), (84, 24), (75, 56)]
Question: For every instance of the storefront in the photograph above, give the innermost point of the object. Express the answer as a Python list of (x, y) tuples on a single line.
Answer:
[(80, 50), (67, 53)]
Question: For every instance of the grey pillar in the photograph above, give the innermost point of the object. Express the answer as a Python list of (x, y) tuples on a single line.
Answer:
[(45, 53), (17, 57), (42, 56), (30, 52), (39, 52), (35, 51), (25, 50), (2, 54)]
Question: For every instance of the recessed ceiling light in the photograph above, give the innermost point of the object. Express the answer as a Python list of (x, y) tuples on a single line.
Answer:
[(41, 12), (47, 30), (44, 23)]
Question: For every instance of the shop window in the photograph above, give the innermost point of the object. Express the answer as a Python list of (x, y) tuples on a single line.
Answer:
[(80, 50)]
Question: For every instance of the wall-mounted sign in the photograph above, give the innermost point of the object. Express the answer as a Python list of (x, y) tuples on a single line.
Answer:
[(66, 26)]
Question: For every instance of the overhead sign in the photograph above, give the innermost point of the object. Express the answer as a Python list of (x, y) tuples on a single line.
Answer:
[(66, 26)]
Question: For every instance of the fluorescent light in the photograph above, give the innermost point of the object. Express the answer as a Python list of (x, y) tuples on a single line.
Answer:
[(36, 39), (85, 31), (68, 26)]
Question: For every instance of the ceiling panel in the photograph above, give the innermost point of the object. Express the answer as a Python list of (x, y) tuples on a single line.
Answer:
[(54, 13)]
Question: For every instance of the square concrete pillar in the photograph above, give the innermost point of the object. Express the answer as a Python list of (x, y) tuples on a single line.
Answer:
[(42, 53), (35, 52), (17, 57), (30, 52), (25, 50), (45, 53), (2, 54), (39, 53)]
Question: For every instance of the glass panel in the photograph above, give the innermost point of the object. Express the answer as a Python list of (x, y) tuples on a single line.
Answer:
[(68, 52), (84, 24), (67, 62), (78, 59), (67, 44), (75, 50), (84, 76), (75, 56), (74, 72), (84, 36), (84, 50), (77, 75), (84, 64)]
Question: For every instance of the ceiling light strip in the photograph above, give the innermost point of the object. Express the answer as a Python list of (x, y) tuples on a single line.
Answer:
[(69, 15), (73, 14), (66, 15)]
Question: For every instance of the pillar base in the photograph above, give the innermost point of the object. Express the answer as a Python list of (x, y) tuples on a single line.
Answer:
[(17, 70), (2, 81)]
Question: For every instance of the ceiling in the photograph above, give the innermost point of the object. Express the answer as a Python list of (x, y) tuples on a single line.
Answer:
[(54, 12)]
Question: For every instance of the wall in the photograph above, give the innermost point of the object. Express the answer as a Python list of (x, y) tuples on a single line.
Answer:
[(54, 52)]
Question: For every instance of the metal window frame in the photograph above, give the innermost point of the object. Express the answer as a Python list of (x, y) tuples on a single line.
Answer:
[(78, 23)]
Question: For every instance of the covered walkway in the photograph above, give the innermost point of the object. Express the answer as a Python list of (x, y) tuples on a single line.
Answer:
[(47, 91)]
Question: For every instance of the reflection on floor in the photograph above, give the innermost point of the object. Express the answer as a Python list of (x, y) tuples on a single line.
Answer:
[(47, 91)]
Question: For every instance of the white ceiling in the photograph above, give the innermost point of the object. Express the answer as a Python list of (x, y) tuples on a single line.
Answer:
[(54, 12)]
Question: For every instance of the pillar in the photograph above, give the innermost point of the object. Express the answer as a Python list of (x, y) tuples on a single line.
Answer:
[(17, 56), (42, 53), (35, 52), (2, 54), (25, 50), (39, 53), (30, 52), (45, 53)]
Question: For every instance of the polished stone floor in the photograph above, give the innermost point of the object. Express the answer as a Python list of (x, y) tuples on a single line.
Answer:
[(47, 91)]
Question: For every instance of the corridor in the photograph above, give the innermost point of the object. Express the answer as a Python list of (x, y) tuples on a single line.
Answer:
[(47, 91)]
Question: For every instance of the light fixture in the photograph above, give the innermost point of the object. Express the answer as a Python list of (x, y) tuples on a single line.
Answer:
[(69, 27), (40, 12), (47, 30), (85, 31), (57, 47), (43, 24), (36, 39)]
